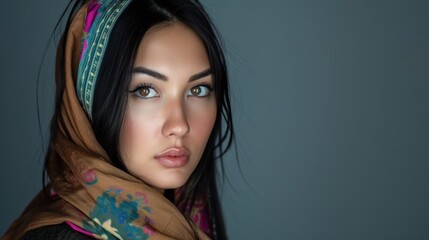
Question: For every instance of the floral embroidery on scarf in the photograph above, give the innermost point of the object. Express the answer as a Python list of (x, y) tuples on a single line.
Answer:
[(90, 177), (198, 213), (112, 219)]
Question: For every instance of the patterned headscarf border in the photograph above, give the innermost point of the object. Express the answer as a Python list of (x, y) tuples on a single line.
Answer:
[(100, 19)]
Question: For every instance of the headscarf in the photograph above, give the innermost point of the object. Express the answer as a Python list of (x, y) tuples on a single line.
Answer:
[(88, 192)]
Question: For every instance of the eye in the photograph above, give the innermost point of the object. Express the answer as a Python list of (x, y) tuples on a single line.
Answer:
[(200, 91), (145, 92)]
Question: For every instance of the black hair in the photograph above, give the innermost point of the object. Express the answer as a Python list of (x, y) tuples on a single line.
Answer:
[(112, 84)]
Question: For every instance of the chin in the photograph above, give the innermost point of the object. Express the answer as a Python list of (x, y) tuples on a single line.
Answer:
[(169, 181)]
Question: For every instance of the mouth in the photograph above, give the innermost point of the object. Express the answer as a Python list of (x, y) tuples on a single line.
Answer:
[(173, 157)]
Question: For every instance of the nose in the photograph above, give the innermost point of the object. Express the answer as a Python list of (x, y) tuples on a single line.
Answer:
[(176, 123)]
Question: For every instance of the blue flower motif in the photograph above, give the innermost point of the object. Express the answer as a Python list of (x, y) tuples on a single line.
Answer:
[(119, 216)]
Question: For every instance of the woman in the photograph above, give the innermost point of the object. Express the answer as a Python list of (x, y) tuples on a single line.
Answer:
[(141, 95)]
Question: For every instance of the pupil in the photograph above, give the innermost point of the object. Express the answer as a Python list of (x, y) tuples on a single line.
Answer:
[(144, 91), (196, 90)]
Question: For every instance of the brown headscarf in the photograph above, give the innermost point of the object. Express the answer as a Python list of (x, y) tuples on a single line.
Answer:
[(89, 193)]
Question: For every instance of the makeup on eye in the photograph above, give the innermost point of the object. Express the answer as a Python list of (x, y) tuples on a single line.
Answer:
[(148, 90), (200, 90), (145, 91)]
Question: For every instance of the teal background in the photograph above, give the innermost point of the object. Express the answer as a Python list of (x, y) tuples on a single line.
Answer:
[(331, 108)]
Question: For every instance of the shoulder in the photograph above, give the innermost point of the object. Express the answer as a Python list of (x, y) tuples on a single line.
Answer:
[(59, 231)]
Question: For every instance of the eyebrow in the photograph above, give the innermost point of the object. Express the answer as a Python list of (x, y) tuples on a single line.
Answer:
[(160, 76)]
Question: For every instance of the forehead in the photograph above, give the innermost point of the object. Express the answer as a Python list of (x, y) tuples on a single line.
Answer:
[(172, 46)]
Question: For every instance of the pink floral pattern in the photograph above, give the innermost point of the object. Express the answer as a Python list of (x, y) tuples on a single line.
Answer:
[(90, 177), (199, 212)]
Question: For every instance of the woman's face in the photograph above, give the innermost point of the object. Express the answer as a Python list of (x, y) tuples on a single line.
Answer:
[(171, 107)]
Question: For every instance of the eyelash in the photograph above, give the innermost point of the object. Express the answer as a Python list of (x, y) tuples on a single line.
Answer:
[(149, 85), (207, 85), (143, 85)]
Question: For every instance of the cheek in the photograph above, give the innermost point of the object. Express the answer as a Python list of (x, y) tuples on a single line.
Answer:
[(202, 120), (128, 134), (138, 127)]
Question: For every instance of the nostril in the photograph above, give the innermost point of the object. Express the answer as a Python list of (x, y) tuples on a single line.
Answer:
[(176, 119), (179, 130)]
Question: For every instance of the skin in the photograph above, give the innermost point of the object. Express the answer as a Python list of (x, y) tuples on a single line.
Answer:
[(176, 112)]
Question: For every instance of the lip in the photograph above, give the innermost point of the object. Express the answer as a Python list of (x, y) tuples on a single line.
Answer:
[(173, 157)]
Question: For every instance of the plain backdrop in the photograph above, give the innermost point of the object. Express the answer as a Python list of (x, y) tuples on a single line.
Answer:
[(331, 110)]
